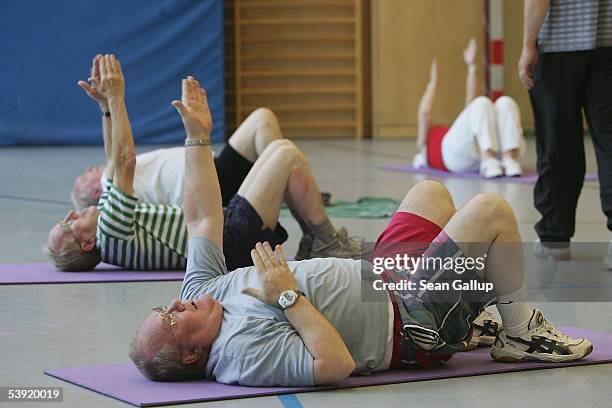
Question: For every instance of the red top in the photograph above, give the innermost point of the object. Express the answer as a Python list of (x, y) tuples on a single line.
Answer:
[(434, 147)]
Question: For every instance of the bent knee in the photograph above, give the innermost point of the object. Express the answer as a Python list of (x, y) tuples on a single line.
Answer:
[(265, 116), (430, 199), (431, 189), (506, 102), (491, 206), (288, 151), (481, 102)]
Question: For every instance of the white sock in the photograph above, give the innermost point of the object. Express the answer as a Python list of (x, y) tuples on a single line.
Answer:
[(515, 312)]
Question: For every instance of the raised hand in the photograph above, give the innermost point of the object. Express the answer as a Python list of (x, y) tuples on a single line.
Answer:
[(93, 82), (433, 72), (469, 53), (112, 83), (193, 108), (273, 273)]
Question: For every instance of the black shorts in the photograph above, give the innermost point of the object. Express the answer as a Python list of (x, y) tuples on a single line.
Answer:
[(242, 229), (232, 169)]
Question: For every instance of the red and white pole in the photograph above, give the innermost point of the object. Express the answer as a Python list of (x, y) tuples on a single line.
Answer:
[(496, 46)]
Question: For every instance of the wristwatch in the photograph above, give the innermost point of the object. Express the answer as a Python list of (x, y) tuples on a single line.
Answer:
[(288, 298)]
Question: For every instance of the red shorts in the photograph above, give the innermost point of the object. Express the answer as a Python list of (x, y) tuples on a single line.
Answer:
[(434, 147), (405, 228)]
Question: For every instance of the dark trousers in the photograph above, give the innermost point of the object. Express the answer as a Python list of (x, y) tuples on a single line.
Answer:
[(565, 84)]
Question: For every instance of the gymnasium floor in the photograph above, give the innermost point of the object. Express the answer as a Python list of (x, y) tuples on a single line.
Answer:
[(47, 326)]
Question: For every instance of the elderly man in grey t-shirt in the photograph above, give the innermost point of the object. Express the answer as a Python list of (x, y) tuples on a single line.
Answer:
[(319, 321)]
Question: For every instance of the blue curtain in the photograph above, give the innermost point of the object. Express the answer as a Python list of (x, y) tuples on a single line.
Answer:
[(46, 46)]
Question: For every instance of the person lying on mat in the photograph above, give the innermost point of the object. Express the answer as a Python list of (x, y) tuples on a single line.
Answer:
[(481, 133), (158, 177), (318, 321), (141, 236)]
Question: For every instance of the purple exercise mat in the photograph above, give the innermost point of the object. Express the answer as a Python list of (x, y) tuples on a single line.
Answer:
[(528, 177), (125, 383), (29, 273)]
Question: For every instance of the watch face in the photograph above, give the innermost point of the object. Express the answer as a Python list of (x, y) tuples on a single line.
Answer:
[(287, 298)]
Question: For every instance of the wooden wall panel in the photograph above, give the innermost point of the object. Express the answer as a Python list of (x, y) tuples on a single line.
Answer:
[(303, 59), (406, 35)]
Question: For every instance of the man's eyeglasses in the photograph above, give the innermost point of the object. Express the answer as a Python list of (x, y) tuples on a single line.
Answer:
[(69, 226), (162, 312)]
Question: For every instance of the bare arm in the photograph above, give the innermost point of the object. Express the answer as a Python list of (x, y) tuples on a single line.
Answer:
[(91, 89), (122, 151), (332, 360), (426, 107), (471, 81), (202, 206), (534, 14)]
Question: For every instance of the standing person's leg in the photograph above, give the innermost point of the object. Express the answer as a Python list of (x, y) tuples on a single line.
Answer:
[(511, 139), (243, 148), (598, 109), (472, 143), (556, 100)]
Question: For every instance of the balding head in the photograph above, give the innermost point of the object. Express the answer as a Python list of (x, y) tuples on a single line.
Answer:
[(155, 353)]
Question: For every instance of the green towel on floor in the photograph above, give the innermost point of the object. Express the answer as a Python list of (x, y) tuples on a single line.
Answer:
[(365, 207)]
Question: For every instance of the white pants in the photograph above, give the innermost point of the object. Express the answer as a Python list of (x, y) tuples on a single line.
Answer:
[(483, 125)]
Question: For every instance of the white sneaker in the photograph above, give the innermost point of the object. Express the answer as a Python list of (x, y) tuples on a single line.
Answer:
[(542, 343), (419, 161), (491, 168), (485, 330), (512, 168), (551, 253), (608, 258)]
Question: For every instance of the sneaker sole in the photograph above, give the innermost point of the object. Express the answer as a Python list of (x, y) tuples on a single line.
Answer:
[(504, 355)]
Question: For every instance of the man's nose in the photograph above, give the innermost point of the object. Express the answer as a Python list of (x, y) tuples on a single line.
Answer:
[(175, 305)]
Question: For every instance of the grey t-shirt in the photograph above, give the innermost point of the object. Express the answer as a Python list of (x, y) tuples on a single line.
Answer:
[(257, 345)]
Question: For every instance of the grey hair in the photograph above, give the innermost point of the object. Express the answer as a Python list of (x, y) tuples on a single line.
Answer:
[(83, 200), (72, 258), (165, 365)]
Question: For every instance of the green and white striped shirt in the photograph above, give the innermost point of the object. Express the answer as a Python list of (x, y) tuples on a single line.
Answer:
[(140, 236)]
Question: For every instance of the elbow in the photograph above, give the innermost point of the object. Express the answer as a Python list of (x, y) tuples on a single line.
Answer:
[(334, 371)]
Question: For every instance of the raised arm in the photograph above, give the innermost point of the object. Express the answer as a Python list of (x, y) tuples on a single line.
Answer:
[(534, 14), (332, 360), (123, 151), (91, 88), (201, 193), (424, 116), (471, 81)]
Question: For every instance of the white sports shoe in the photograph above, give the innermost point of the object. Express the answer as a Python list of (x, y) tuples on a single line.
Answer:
[(560, 253), (542, 343), (485, 330), (491, 168), (512, 168), (419, 161)]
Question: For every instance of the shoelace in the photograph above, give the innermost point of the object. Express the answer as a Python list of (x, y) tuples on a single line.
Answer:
[(554, 331)]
